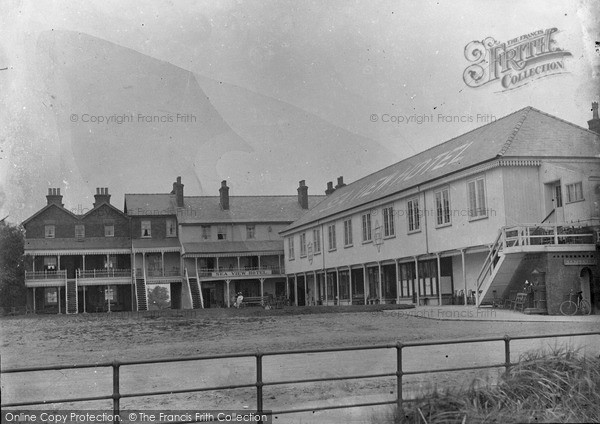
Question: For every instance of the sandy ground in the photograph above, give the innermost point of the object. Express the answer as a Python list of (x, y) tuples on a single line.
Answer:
[(54, 340)]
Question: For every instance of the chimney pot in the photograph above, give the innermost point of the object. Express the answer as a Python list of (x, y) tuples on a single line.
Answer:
[(101, 196), (53, 197), (340, 182), (330, 188), (303, 194), (224, 194), (178, 192)]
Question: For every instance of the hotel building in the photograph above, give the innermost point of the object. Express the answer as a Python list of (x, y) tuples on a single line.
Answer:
[(469, 220)]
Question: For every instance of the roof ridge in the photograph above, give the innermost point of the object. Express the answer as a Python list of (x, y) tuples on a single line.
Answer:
[(441, 144), (563, 120), (516, 129)]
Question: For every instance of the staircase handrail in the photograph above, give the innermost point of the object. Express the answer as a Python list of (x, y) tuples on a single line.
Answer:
[(187, 279), (489, 260)]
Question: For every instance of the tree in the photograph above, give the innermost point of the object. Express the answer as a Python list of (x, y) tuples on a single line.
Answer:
[(159, 296), (12, 270)]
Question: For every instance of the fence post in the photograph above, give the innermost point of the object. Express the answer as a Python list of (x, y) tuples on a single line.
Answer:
[(259, 384), (507, 352), (399, 374), (116, 394)]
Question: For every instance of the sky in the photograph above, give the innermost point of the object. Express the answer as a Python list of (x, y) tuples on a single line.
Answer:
[(282, 90)]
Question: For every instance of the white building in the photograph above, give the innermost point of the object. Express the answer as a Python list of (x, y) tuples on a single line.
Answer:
[(477, 214)]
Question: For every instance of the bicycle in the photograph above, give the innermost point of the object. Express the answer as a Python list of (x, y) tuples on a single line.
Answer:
[(569, 307)]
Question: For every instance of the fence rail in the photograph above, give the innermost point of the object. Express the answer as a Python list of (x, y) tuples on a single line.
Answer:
[(399, 373), (46, 275)]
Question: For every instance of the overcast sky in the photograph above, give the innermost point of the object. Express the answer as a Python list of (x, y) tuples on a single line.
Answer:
[(264, 64)]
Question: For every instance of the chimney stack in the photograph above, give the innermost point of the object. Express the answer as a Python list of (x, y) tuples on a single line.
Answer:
[(224, 192), (178, 192), (101, 196), (340, 183), (303, 194), (54, 197), (594, 123), (330, 188)]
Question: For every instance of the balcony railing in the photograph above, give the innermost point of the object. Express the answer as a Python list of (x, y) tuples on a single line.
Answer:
[(103, 273), (248, 270), (537, 235), (60, 274)]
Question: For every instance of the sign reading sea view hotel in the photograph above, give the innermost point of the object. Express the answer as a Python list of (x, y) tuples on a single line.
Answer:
[(245, 273), (516, 62)]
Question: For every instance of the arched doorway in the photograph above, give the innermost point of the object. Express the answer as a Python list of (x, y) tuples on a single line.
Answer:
[(588, 290)]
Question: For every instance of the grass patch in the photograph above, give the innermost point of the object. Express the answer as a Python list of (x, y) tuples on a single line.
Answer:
[(559, 385)]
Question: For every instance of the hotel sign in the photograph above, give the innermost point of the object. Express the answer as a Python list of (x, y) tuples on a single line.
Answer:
[(249, 273)]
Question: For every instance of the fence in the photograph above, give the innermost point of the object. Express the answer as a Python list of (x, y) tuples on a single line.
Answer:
[(259, 384)]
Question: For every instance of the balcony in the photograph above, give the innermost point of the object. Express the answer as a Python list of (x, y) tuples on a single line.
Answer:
[(47, 276), (534, 237), (83, 274)]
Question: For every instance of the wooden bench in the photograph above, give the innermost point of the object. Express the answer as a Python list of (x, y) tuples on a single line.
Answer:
[(256, 301)]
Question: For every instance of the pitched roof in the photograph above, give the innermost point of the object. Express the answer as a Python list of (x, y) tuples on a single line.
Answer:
[(525, 133), (149, 204), (254, 247), (207, 209), (45, 208)]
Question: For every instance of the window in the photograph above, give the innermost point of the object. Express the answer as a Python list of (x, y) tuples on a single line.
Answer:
[(476, 192), (250, 231), (388, 222), (221, 233), (291, 248), (366, 227), (442, 206), (79, 232), (49, 231), (317, 240), (558, 195), (331, 237), (171, 228), (109, 230), (146, 229), (414, 219), (348, 232), (574, 192), (302, 245), (206, 232)]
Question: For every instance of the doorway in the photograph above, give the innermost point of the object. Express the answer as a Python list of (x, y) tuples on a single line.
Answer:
[(590, 291)]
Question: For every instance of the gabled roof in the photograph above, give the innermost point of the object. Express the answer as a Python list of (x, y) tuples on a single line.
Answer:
[(45, 208), (525, 133), (207, 209), (244, 209), (100, 206)]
